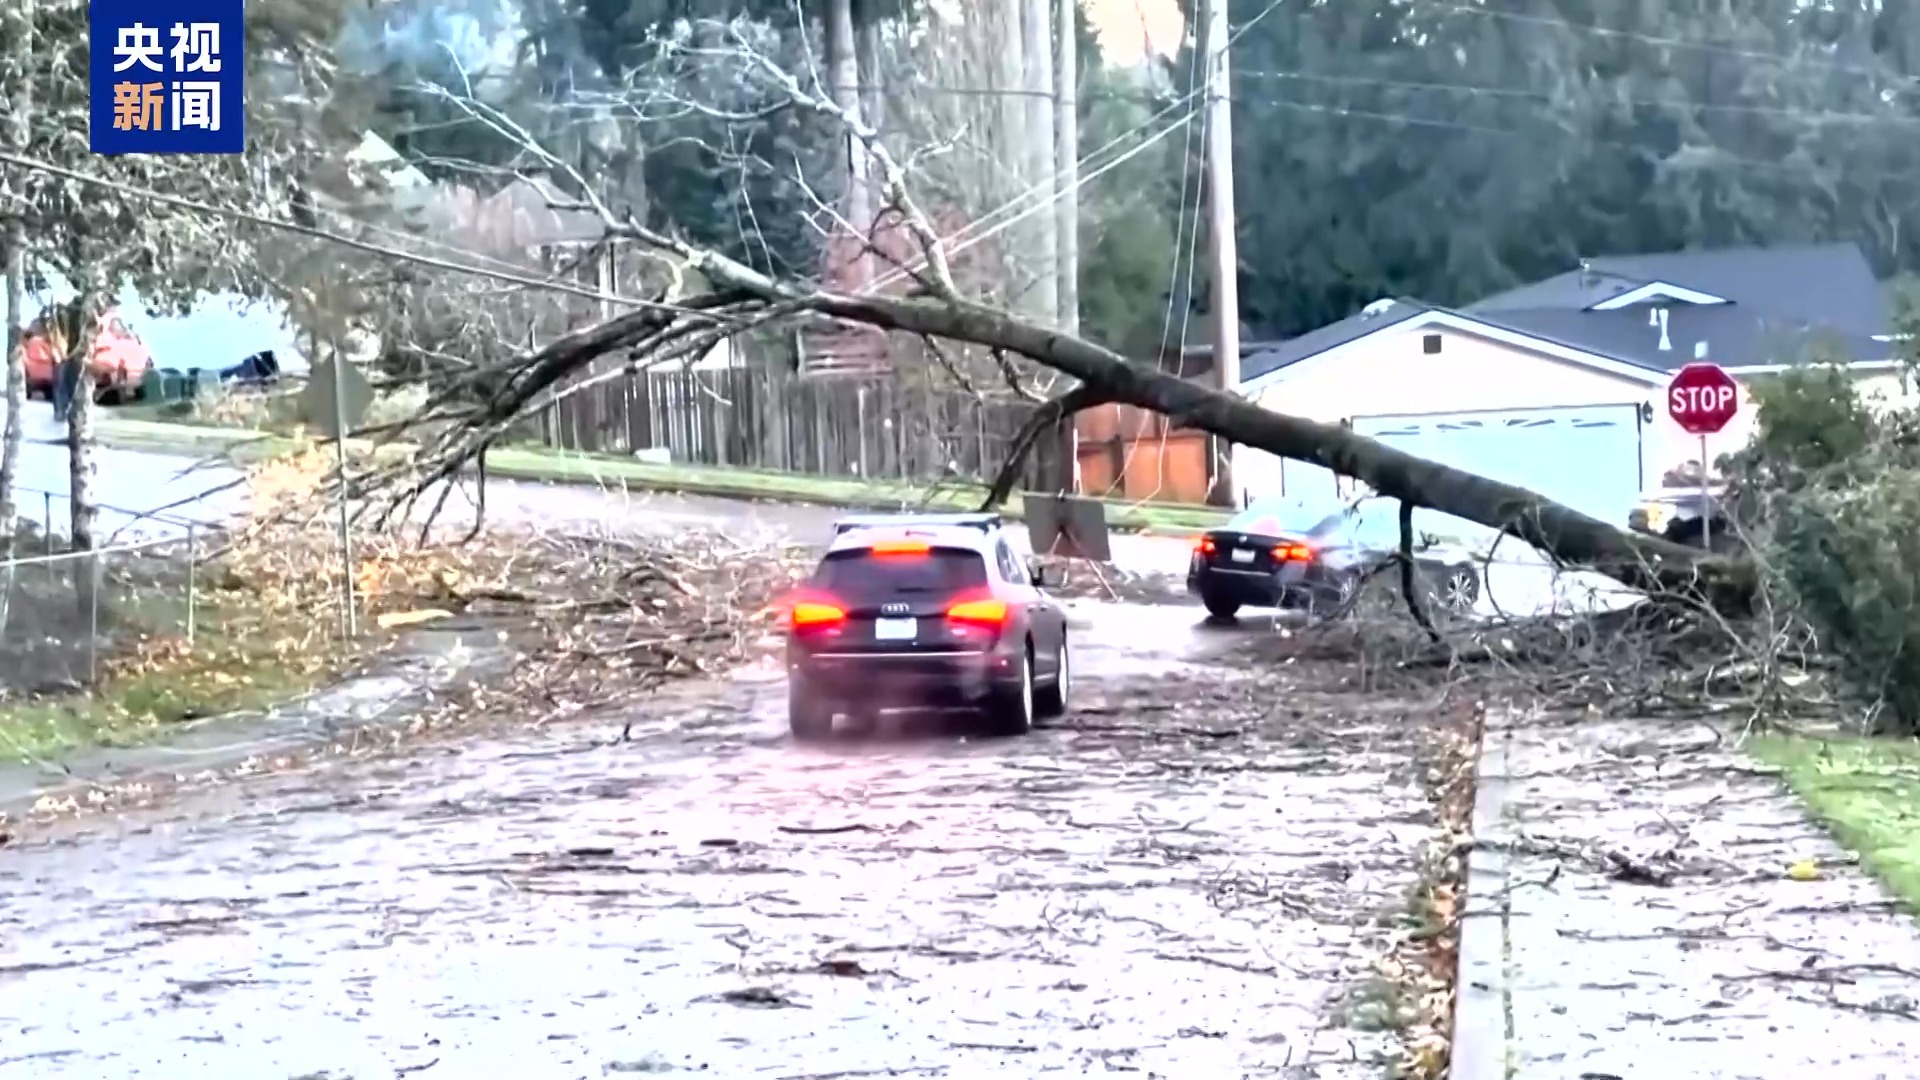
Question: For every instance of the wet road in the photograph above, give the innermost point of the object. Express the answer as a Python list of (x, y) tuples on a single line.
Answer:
[(1182, 879), (131, 485), (1518, 581)]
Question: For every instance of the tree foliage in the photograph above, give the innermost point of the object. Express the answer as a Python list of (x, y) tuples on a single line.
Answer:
[(1829, 493), (1447, 151)]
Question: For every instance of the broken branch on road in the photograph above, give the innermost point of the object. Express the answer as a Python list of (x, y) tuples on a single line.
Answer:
[(552, 623)]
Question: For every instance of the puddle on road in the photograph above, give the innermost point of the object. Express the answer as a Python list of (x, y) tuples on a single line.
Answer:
[(1177, 880)]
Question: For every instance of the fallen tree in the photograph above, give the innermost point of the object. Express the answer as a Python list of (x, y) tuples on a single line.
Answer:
[(683, 321), (745, 298)]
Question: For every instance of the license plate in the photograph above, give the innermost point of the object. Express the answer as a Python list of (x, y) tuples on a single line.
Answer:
[(896, 629), (1243, 555)]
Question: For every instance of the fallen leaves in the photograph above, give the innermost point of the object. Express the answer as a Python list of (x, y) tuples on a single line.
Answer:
[(1423, 965)]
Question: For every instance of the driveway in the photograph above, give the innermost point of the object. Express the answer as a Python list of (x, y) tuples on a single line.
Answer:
[(1185, 878)]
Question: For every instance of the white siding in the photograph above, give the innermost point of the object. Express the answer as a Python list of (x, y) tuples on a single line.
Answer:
[(1390, 374), (1393, 375)]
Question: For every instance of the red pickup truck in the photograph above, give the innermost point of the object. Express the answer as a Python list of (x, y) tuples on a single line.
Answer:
[(119, 361)]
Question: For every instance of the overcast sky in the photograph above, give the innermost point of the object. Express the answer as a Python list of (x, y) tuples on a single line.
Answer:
[(1127, 27)]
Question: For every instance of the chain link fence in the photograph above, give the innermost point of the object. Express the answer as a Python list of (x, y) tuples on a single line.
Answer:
[(66, 615)]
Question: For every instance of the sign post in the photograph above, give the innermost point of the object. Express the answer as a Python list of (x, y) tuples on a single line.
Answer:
[(1703, 399), (336, 398)]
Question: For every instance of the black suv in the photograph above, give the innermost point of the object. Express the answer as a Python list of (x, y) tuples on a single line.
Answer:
[(924, 612)]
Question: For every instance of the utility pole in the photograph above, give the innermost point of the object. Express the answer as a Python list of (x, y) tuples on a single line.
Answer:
[(1066, 158), (1039, 84), (1066, 208), (1220, 230), (1008, 80), (843, 75)]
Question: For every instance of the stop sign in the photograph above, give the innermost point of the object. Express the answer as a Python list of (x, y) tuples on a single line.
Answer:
[(1702, 398)]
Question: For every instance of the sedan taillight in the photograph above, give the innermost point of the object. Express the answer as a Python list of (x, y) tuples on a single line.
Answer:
[(1292, 553)]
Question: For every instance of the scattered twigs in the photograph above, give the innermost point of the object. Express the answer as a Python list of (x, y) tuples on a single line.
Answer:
[(568, 622)]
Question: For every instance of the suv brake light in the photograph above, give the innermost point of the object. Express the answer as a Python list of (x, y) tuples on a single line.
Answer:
[(990, 613), (1293, 553), (901, 547), (812, 615)]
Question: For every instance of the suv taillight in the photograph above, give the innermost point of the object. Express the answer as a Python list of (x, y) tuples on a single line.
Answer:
[(812, 615), (991, 614)]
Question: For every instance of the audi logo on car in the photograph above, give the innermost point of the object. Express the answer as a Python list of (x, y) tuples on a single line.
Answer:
[(893, 609)]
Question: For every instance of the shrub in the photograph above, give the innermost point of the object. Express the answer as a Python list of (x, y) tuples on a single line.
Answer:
[(1829, 493)]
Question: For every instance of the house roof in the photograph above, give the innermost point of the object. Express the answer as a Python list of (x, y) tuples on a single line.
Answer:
[(1776, 302), (1816, 284), (1257, 362), (1735, 336)]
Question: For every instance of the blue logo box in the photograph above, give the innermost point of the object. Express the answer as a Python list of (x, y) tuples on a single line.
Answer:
[(167, 78)]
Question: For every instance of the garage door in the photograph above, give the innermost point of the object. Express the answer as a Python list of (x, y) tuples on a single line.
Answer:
[(1587, 457)]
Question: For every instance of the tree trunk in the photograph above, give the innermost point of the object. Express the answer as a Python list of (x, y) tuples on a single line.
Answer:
[(16, 401), (1012, 160), (873, 97), (17, 31), (1571, 537), (80, 465)]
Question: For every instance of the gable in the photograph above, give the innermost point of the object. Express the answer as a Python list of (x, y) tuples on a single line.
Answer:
[(1658, 292)]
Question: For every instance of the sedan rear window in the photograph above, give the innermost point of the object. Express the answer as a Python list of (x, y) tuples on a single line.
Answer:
[(861, 577), (1285, 517)]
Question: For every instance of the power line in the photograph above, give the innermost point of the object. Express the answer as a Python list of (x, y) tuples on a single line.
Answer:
[(1798, 168), (1473, 89), (197, 207), (1053, 190), (1678, 43)]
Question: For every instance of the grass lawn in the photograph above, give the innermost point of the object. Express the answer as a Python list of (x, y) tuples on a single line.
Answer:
[(1867, 791), (239, 660), (554, 466)]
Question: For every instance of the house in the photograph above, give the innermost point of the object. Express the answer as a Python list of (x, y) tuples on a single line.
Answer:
[(1558, 386)]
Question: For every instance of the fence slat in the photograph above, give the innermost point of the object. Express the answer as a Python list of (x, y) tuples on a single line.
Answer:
[(761, 416)]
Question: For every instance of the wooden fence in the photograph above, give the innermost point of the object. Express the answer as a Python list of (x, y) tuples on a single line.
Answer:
[(873, 426)]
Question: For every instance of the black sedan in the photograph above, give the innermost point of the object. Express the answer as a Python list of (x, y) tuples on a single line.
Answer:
[(1312, 556)]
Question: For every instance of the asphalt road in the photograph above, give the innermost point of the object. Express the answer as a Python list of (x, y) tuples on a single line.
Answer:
[(134, 484), (148, 495), (1185, 878)]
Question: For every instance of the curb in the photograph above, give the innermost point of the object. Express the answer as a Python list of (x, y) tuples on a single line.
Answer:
[(1483, 1010)]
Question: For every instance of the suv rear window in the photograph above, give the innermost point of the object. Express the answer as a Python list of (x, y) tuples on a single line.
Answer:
[(861, 577)]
